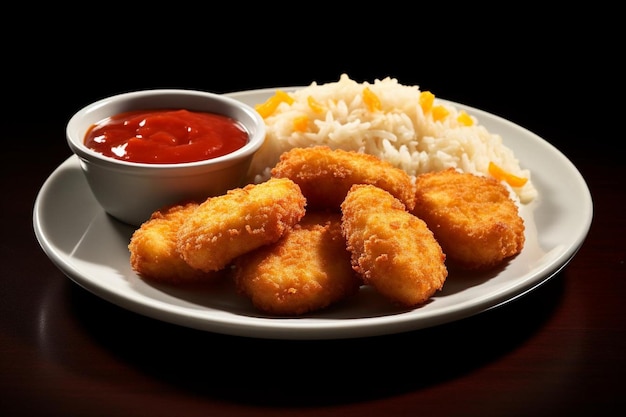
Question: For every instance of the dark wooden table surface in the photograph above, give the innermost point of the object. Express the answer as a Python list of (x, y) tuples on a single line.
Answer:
[(559, 350)]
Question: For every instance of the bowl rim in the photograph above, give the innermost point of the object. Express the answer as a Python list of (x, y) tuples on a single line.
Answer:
[(256, 138)]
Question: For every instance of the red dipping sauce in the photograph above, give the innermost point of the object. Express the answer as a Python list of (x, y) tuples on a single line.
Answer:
[(166, 136)]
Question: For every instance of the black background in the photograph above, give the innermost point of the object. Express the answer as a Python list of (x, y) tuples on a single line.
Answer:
[(556, 72)]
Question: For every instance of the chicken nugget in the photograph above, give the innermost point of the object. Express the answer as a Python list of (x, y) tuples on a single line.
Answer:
[(153, 250), (474, 218), (243, 219), (325, 175), (393, 250), (308, 269)]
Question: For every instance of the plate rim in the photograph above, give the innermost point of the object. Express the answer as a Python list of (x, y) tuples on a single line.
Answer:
[(291, 328)]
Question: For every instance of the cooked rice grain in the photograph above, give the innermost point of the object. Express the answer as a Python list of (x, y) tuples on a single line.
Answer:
[(391, 124)]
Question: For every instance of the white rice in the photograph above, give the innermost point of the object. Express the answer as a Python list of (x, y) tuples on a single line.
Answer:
[(399, 132)]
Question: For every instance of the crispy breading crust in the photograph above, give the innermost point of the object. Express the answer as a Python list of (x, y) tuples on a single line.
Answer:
[(153, 249), (325, 175), (393, 250), (473, 217), (308, 269), (241, 220)]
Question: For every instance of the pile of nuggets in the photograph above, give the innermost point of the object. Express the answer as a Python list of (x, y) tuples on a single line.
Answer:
[(328, 222)]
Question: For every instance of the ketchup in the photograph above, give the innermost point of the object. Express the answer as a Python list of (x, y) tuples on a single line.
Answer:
[(166, 136)]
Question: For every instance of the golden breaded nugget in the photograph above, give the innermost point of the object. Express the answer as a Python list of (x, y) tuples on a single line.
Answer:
[(153, 249), (241, 220), (308, 269), (393, 250), (325, 175), (473, 217)]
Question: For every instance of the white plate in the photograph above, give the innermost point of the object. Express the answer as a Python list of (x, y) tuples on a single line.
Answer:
[(91, 249)]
